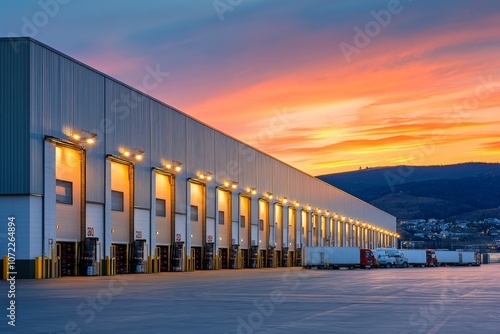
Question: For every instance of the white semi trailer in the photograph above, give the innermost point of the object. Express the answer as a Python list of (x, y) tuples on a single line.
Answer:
[(337, 257), (416, 257), (457, 258)]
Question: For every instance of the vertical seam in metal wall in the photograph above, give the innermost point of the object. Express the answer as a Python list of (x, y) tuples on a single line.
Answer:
[(104, 222), (83, 191)]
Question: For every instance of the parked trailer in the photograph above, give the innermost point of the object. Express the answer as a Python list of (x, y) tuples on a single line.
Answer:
[(420, 257), (470, 258), (457, 258), (337, 257), (416, 257), (447, 258)]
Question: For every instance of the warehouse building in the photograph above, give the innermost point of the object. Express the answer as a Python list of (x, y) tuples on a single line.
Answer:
[(100, 179)]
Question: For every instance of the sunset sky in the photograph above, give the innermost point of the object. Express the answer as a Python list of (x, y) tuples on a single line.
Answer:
[(326, 86)]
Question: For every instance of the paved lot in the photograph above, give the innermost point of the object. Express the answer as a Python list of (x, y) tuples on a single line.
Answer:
[(284, 300)]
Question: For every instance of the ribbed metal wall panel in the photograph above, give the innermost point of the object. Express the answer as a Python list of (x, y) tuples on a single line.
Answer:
[(15, 118), (130, 112), (200, 148), (65, 97), (264, 174), (227, 166), (178, 129), (162, 136), (247, 161)]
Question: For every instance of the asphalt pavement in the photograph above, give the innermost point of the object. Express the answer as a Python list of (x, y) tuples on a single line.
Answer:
[(280, 300)]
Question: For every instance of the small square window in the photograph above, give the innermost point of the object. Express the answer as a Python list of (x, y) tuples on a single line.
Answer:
[(194, 213), (161, 210), (117, 200), (261, 225), (242, 221), (221, 217), (64, 192)]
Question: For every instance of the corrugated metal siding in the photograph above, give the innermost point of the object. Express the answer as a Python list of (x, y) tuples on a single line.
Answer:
[(129, 112), (227, 166), (15, 118), (162, 136), (200, 148), (247, 162)]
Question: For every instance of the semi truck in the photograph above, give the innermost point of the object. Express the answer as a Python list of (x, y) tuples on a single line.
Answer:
[(458, 258), (337, 257), (420, 257)]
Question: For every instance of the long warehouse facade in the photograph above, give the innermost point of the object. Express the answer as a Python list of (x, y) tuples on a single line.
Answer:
[(98, 178)]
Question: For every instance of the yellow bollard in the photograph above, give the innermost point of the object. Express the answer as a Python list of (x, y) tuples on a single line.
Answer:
[(5, 267), (38, 268), (150, 265)]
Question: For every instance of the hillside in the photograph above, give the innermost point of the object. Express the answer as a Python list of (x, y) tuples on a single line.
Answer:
[(443, 192)]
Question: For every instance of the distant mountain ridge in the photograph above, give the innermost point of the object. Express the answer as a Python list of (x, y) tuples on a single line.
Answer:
[(411, 192)]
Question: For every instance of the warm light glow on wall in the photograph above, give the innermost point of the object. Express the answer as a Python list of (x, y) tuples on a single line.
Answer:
[(268, 195), (206, 176), (84, 137), (230, 184), (136, 153), (296, 204), (284, 200), (251, 191), (175, 165)]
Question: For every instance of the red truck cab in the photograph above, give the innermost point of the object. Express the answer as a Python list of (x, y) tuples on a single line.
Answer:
[(432, 260), (367, 259)]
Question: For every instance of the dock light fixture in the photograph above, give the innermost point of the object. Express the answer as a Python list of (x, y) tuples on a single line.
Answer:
[(308, 207), (318, 210), (84, 137), (327, 213), (297, 204), (136, 153), (268, 195), (251, 191), (175, 166), (230, 184), (284, 200), (206, 176)]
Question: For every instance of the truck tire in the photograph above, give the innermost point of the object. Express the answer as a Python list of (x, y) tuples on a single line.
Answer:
[(350, 267), (405, 265), (388, 265)]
